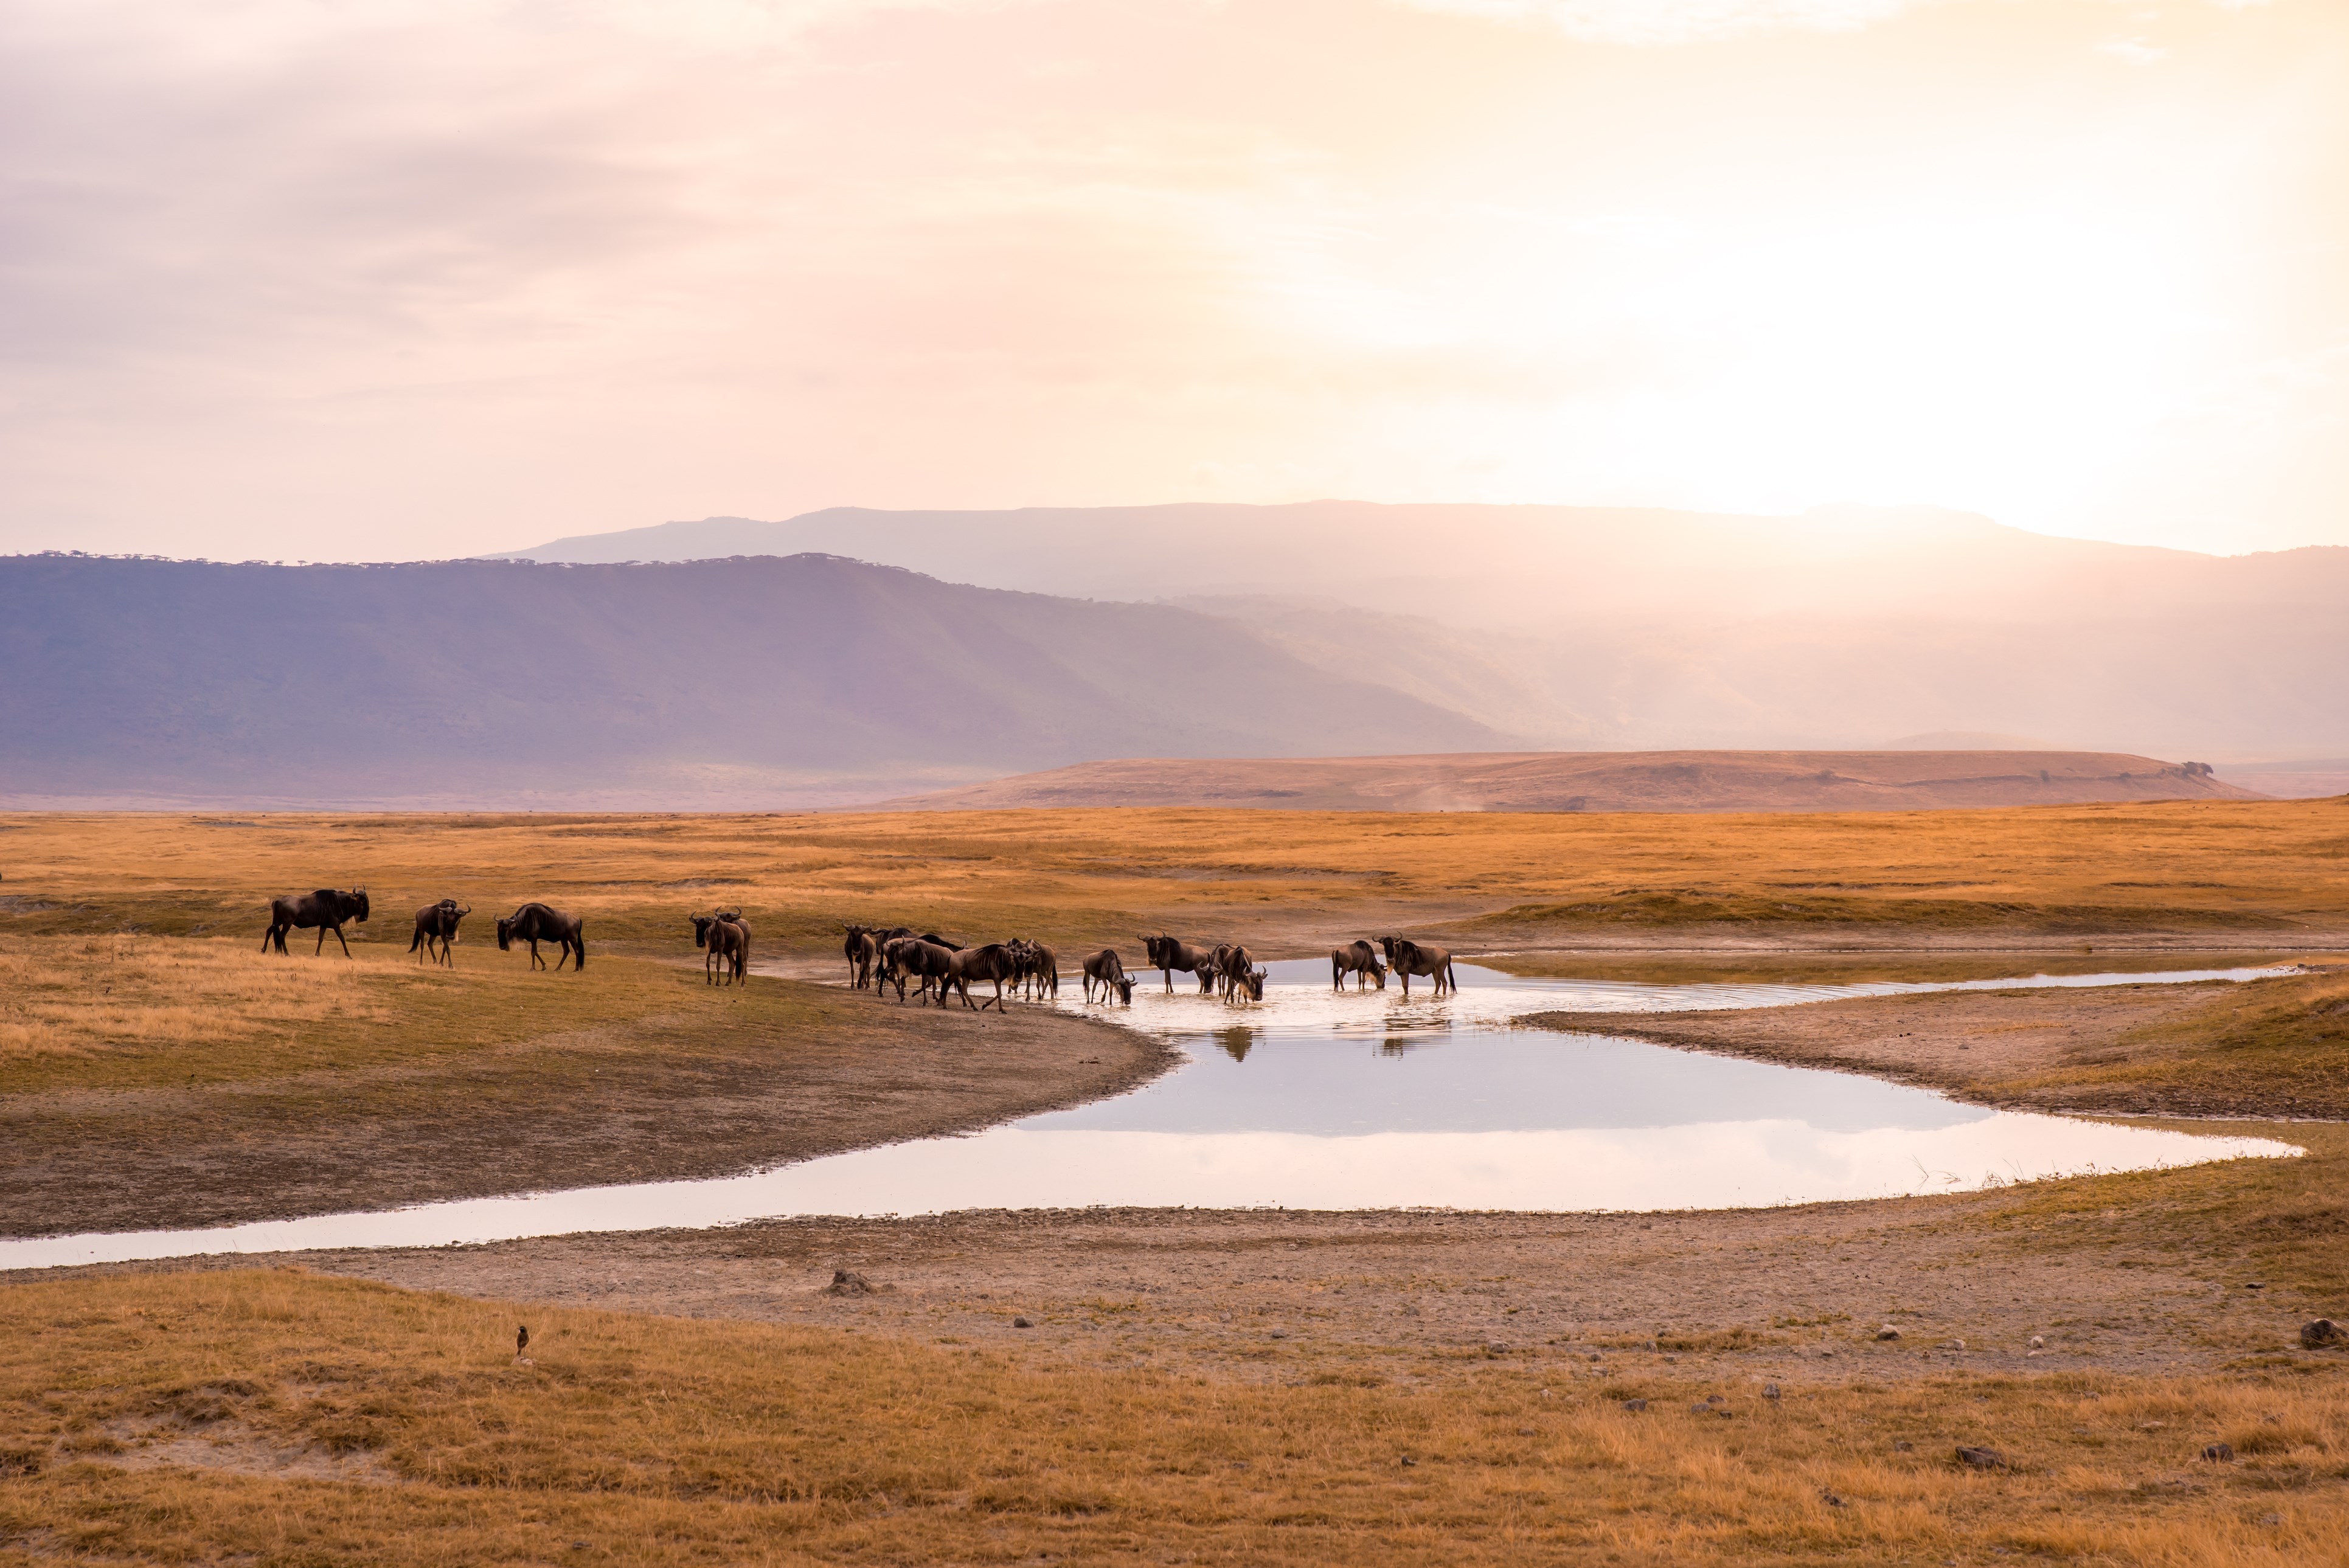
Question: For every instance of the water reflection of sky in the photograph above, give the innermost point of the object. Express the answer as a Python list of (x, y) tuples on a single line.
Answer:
[(1311, 1100)]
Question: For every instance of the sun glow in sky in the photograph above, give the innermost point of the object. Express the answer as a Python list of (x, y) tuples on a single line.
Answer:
[(376, 280)]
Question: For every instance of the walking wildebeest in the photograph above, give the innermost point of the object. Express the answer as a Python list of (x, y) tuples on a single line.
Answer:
[(910, 955), (1167, 955), (863, 950), (993, 962), (1040, 971), (1408, 958), (437, 922), (1107, 969), (534, 923), (327, 909), (1359, 959), (729, 944), (717, 947)]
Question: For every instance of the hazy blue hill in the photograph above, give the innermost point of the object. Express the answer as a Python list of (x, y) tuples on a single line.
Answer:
[(742, 678)]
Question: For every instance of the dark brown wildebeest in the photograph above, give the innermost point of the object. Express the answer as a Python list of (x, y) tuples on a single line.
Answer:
[(713, 946), (1408, 958), (993, 962), (1247, 986), (1167, 955), (863, 950), (534, 923), (729, 945), (910, 956), (327, 909), (1107, 969), (1359, 959), (438, 923), (1040, 971), (1232, 965)]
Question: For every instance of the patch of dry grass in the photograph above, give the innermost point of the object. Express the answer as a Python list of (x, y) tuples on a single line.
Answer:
[(2268, 870), (641, 1439), (130, 1011)]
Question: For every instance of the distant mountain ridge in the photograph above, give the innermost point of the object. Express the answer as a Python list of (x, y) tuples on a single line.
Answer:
[(1602, 782), (769, 682)]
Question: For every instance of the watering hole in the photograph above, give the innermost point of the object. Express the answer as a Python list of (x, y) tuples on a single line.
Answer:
[(1315, 1099)]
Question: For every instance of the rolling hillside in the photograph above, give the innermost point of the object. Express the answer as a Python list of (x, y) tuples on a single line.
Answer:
[(729, 684), (1603, 781)]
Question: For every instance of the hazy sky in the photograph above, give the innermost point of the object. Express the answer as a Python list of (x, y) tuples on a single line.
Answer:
[(377, 279)]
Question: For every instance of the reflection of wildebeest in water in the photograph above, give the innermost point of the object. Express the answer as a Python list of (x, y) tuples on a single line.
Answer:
[(905, 957), (437, 922), (1359, 959), (534, 923), (1408, 958), (1107, 969), (1167, 955), (993, 962), (327, 909)]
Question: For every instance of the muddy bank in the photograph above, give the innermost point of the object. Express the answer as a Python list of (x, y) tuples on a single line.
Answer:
[(652, 1098), (2265, 1048), (1786, 1294)]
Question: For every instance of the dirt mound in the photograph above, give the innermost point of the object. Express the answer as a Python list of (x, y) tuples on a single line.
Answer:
[(1604, 781)]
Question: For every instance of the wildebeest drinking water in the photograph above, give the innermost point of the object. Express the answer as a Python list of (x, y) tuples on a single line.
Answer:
[(1408, 958), (1359, 959), (1107, 969), (1238, 975), (534, 923), (1167, 954), (327, 909), (438, 923)]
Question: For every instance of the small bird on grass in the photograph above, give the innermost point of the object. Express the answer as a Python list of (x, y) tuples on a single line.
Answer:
[(522, 1340)]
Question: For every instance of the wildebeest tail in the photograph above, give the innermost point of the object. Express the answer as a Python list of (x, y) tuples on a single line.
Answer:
[(579, 948)]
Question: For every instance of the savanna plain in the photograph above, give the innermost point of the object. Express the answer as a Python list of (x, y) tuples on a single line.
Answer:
[(1180, 1385)]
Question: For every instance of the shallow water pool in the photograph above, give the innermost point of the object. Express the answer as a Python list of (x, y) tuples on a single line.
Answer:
[(1358, 1100)]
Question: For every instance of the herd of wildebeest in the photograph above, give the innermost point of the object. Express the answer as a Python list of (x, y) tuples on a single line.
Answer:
[(894, 957)]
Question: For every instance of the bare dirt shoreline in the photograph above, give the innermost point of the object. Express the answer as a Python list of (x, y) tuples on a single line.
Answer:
[(630, 1102)]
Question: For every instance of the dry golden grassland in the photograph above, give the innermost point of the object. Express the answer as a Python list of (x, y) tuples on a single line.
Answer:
[(285, 1418), (2239, 873)]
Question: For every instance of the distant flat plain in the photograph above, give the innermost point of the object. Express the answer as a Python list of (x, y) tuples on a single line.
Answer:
[(1239, 1387)]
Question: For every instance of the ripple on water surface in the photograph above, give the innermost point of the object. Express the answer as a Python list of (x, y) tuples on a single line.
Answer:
[(1360, 1100)]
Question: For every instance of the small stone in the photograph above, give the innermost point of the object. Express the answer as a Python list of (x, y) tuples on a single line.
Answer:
[(1951, 1344), (846, 1283), (1700, 1409), (2271, 1519), (1903, 1446), (1981, 1458), (2037, 1342), (1021, 1322), (2254, 1285), (2220, 1453), (1769, 1390), (1407, 1461), (1831, 1500), (1496, 1348), (1635, 1406), (1280, 1334), (2322, 1334), (1713, 1399), (1888, 1332), (1526, 1432)]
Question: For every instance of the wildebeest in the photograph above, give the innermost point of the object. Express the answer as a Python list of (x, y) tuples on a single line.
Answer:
[(905, 957), (1107, 969), (863, 950), (1359, 959), (534, 923), (1040, 971), (1232, 965), (1408, 958), (1247, 984), (1166, 955), (436, 922), (993, 962), (327, 909), (729, 945)]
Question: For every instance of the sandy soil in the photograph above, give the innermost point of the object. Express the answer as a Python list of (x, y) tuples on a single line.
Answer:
[(1781, 1293), (592, 1110), (1971, 1044)]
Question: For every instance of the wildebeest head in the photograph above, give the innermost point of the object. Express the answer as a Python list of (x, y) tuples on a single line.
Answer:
[(1251, 983), (1156, 946), (1125, 990), (701, 925), (505, 933), (354, 904)]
